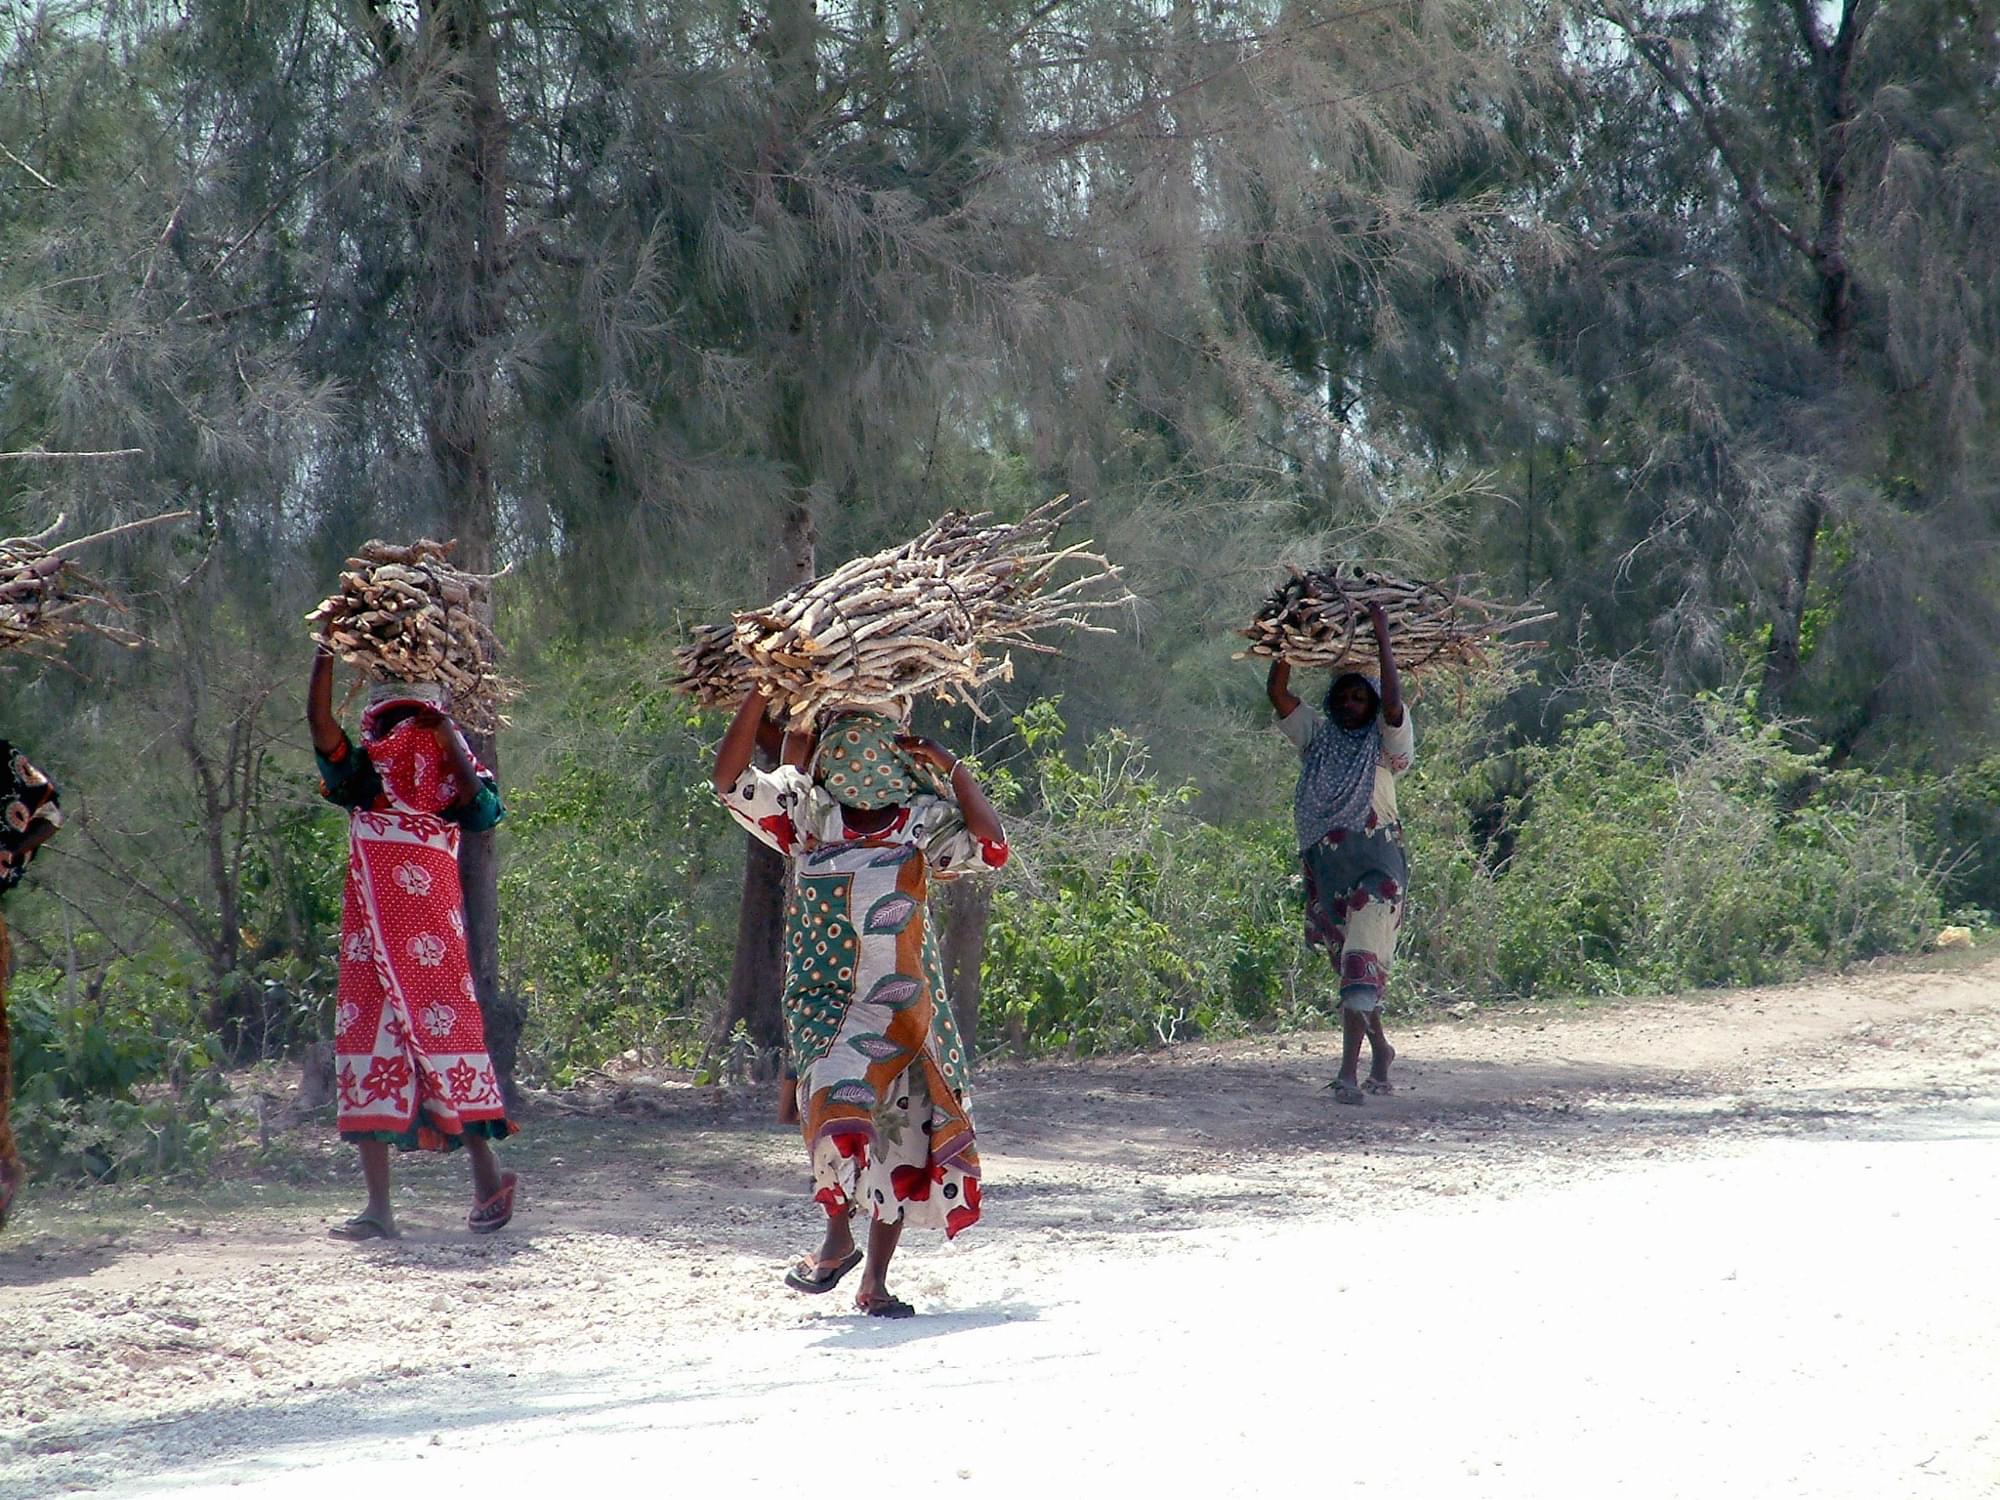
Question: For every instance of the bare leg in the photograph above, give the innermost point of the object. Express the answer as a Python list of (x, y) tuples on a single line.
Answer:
[(883, 1236), (1380, 1053), (839, 1241), (375, 1173), (485, 1168), (836, 1257), (1353, 1027)]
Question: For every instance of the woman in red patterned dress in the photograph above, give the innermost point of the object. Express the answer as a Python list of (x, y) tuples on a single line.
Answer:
[(409, 1044)]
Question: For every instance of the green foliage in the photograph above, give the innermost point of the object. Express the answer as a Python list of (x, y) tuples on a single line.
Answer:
[(115, 1082), (1445, 287), (1958, 819), (617, 928), (1126, 921), (1640, 854), (1728, 857)]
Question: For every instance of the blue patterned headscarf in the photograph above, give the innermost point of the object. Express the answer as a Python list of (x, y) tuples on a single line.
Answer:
[(1337, 781)]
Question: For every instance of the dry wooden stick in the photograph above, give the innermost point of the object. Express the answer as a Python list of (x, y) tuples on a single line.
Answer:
[(45, 598), (914, 619), (406, 614), (1320, 619)]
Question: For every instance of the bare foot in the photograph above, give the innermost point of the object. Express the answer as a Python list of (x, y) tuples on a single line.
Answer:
[(1378, 1068)]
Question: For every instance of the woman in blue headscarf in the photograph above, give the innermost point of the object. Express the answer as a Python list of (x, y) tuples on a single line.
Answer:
[(1351, 842)]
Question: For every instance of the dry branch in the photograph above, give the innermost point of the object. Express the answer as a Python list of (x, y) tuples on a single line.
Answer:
[(52, 454), (45, 598), (881, 631), (1320, 619), (406, 614)]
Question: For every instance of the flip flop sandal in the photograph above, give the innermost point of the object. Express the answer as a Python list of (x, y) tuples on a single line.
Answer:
[(811, 1277), (1346, 1092), (497, 1211), (364, 1227), (885, 1306), (1378, 1086)]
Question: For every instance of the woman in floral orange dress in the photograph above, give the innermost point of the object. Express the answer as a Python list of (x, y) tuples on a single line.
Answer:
[(869, 817)]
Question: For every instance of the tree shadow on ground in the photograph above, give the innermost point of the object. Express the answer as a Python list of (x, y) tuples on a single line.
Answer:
[(50, 1258), (1109, 1147), (1103, 1145)]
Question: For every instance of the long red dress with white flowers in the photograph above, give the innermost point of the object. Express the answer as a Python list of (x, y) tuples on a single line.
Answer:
[(409, 1044)]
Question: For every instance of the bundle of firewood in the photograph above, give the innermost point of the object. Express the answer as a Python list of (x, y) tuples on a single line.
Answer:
[(1320, 619), (883, 630), (45, 598), (406, 614)]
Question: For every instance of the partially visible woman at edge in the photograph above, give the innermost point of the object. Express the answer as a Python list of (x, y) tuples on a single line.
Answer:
[(869, 818), (33, 814), (409, 1043), (1351, 842)]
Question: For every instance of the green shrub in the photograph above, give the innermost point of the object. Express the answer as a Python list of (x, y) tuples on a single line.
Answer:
[(116, 1080), (1636, 852), (1721, 855), (1957, 818), (616, 898), (1126, 921)]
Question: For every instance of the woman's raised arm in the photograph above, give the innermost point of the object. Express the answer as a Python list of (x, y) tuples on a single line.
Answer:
[(739, 741), (1392, 684), (327, 738)]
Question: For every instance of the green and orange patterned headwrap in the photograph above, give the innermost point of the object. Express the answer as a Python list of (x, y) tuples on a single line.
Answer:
[(860, 764)]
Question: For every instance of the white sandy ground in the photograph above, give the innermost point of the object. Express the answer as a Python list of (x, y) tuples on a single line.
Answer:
[(1736, 1246)]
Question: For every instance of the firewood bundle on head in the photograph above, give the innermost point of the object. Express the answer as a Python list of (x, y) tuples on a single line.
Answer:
[(405, 614), (45, 597), (883, 630), (1320, 619)]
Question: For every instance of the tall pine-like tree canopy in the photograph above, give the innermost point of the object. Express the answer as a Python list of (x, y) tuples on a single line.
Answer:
[(1676, 316)]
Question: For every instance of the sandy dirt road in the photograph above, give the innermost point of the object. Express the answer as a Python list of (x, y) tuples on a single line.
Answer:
[(1735, 1245)]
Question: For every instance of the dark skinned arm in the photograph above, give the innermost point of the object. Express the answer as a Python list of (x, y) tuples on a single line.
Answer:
[(327, 738), (1278, 688), (770, 738), (1392, 684), (739, 742), (981, 821)]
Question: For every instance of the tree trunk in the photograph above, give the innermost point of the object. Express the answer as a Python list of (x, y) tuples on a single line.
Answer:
[(1786, 657), (461, 224), (756, 973), (1832, 61), (968, 906)]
